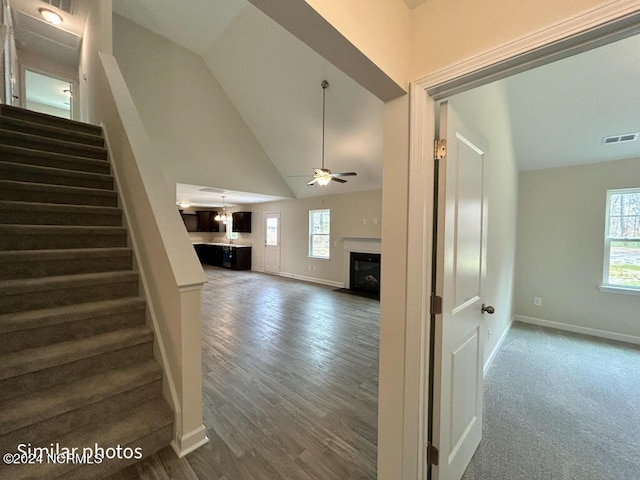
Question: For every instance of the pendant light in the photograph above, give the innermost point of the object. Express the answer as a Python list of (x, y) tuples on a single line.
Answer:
[(224, 217)]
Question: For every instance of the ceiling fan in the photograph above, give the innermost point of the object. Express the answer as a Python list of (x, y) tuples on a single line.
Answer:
[(322, 176)]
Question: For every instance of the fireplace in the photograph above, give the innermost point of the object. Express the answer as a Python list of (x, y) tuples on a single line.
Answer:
[(364, 272)]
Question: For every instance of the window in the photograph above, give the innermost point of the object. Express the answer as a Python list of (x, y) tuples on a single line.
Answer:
[(319, 230), (622, 239)]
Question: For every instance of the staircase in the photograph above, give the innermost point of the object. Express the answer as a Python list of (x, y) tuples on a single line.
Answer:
[(76, 364)]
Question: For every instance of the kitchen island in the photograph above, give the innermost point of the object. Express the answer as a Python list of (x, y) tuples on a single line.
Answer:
[(228, 255)]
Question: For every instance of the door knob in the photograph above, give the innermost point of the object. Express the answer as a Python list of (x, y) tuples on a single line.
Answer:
[(488, 309)]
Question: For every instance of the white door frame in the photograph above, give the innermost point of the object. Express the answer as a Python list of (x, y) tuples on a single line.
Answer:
[(589, 29)]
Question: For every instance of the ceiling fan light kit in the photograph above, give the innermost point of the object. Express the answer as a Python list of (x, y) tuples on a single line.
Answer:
[(323, 176)]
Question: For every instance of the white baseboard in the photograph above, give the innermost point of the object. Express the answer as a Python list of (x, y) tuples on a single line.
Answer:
[(295, 276), (621, 337), (190, 441), (489, 362), (312, 279)]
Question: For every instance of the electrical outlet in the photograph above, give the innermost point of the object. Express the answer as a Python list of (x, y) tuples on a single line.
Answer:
[(375, 221), (364, 221), (537, 301), (489, 332)]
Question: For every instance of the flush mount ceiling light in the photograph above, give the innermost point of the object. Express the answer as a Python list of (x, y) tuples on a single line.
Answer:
[(50, 16), (184, 204)]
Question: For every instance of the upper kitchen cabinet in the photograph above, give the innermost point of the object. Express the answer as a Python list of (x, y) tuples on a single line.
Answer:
[(241, 222), (206, 222), (190, 221)]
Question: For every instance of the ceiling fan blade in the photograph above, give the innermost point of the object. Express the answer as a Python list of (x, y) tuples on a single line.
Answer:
[(339, 180), (312, 181), (345, 174)]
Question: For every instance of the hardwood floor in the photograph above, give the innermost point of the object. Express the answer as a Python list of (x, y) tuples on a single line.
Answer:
[(290, 384)]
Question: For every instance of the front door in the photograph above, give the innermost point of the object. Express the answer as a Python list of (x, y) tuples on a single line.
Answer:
[(460, 270), (272, 243)]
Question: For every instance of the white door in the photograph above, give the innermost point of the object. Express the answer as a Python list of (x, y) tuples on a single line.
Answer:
[(272, 242), (457, 424)]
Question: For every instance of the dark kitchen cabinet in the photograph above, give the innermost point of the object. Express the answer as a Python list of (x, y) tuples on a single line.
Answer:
[(242, 222), (206, 222), (236, 258), (228, 256), (190, 221)]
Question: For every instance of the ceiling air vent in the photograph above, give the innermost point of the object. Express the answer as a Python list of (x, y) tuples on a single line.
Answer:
[(64, 5), (623, 138)]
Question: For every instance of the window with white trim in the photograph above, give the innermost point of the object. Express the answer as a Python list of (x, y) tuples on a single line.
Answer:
[(319, 233), (622, 239)]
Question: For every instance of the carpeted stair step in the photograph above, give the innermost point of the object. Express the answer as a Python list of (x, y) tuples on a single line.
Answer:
[(45, 130), (40, 263), (147, 425), (38, 368), (46, 237), (49, 120), (32, 408), (43, 193), (37, 328), (54, 176), (54, 145), (36, 293), (28, 213), (50, 430), (65, 161)]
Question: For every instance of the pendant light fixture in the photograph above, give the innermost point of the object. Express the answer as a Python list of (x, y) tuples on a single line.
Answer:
[(224, 217)]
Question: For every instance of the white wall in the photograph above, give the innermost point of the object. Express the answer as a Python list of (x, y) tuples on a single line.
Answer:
[(97, 38), (561, 247), (349, 211), (486, 108), (189, 117)]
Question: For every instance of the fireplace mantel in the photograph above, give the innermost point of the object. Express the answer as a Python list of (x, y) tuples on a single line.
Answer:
[(357, 244)]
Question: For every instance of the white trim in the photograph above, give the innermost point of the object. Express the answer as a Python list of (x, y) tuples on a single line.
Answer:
[(320, 281), (494, 353), (190, 441), (417, 335), (620, 290), (584, 30), (593, 332)]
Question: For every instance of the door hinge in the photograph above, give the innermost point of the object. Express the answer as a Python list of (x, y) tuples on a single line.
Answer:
[(436, 305), (439, 149), (432, 455)]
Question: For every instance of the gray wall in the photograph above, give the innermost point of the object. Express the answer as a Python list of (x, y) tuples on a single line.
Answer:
[(561, 247)]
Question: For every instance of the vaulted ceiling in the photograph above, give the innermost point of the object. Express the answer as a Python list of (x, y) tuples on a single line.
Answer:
[(274, 81), (559, 113)]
